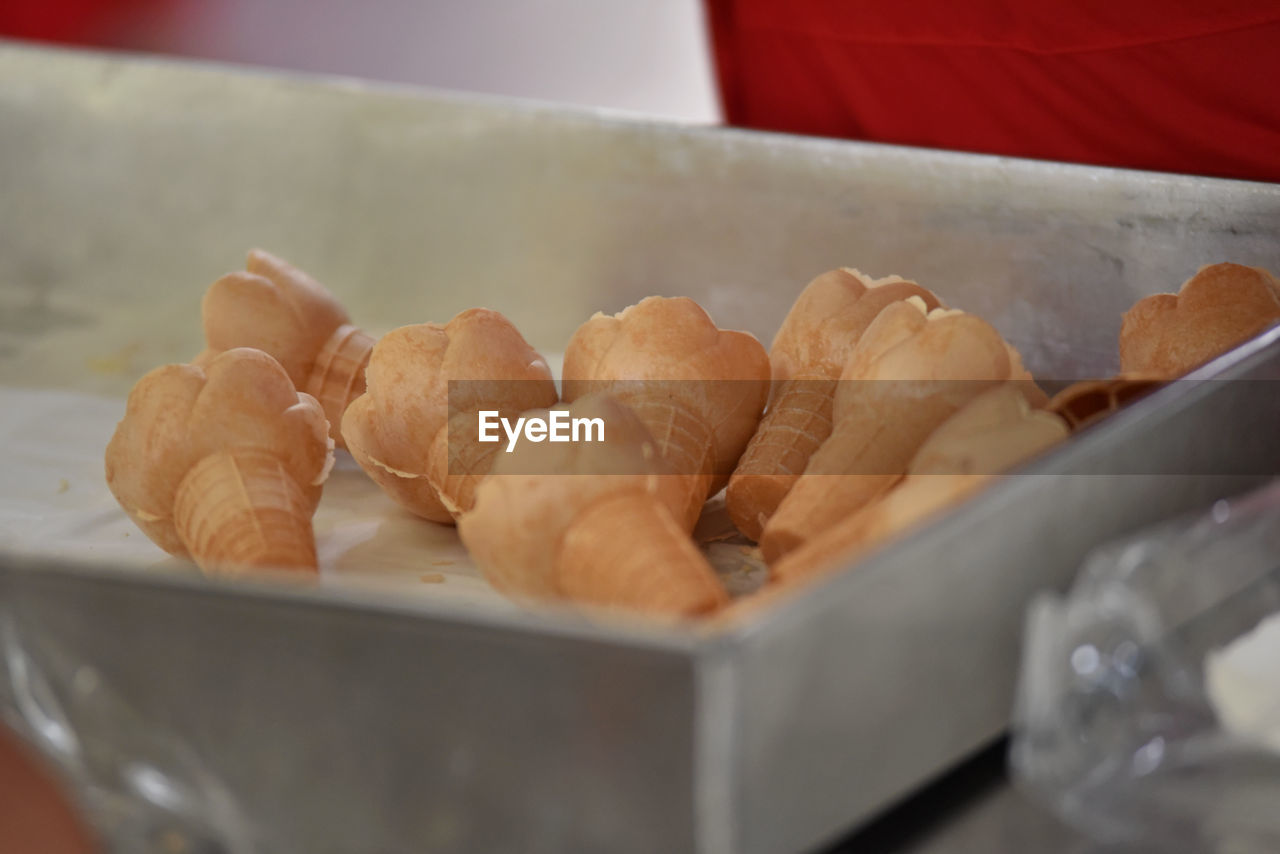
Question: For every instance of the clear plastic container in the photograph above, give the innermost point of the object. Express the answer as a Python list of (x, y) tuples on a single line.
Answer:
[(1117, 728)]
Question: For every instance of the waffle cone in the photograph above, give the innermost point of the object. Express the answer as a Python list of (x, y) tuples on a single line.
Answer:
[(996, 430), (411, 490), (1081, 404), (794, 427), (459, 461), (863, 457), (685, 442), (241, 508), (628, 552), (914, 499), (337, 374)]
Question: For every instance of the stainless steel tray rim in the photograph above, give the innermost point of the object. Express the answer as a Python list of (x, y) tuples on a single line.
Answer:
[(595, 116)]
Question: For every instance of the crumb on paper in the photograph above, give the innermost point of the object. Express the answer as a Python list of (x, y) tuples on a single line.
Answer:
[(63, 485), (442, 562), (433, 578), (118, 363)]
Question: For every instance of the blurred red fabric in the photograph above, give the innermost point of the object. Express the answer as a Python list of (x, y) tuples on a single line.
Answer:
[(86, 22), (1173, 85)]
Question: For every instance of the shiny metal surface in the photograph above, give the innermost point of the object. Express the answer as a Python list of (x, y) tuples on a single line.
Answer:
[(346, 724)]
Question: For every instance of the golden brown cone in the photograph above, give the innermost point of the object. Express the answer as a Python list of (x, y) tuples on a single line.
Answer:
[(796, 424), (909, 373), (533, 496), (1081, 404), (685, 376), (391, 429), (992, 433), (1220, 307), (459, 460), (274, 307), (178, 415), (241, 508), (807, 357), (626, 551), (337, 374), (685, 443), (830, 315)]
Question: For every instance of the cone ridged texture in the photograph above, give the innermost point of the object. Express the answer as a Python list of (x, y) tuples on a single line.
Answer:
[(685, 442), (796, 424), (241, 508), (337, 375), (1081, 404)]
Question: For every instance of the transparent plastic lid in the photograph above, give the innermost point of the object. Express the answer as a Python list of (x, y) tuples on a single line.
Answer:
[(1149, 698)]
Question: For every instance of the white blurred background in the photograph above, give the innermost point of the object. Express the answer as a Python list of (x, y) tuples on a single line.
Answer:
[(644, 56)]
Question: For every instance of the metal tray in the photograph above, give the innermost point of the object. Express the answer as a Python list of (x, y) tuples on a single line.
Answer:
[(333, 720)]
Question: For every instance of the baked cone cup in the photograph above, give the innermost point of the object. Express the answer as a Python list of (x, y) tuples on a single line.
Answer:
[(992, 433), (275, 307), (699, 390), (223, 463), (590, 522), (1086, 402), (685, 441), (421, 376), (807, 357), (626, 551), (796, 424), (241, 508), (911, 371), (1221, 306), (459, 460)]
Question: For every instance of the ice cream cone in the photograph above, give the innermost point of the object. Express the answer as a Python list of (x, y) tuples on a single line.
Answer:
[(684, 440), (1220, 307), (275, 307), (910, 372), (421, 376), (816, 340), (796, 424), (241, 508), (412, 490), (698, 389), (626, 551), (459, 461), (862, 458), (223, 462), (590, 522), (993, 432)]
